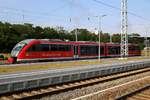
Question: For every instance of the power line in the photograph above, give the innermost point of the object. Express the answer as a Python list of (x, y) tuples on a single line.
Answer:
[(32, 12), (25, 13), (111, 6)]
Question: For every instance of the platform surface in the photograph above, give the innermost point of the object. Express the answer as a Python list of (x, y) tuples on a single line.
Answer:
[(29, 67)]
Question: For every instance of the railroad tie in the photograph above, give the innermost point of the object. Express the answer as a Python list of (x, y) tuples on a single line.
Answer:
[(65, 86), (139, 98), (35, 92), (27, 94), (94, 80), (59, 87), (70, 84), (77, 83), (5, 98), (16, 96), (82, 82), (131, 99), (44, 90), (144, 96), (51, 89)]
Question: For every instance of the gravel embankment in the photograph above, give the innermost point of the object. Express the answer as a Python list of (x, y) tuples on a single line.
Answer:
[(90, 89)]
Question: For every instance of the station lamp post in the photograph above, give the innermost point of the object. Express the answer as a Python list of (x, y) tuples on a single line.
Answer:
[(110, 39), (76, 31), (99, 32)]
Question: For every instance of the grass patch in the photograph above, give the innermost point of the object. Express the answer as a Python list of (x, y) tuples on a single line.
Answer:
[(57, 65)]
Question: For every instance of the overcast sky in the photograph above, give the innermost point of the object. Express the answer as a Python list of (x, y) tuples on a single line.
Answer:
[(59, 12)]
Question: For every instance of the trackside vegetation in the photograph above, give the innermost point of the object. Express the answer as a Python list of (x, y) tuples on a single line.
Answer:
[(10, 34)]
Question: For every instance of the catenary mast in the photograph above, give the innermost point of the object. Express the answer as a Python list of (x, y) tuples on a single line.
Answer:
[(124, 29)]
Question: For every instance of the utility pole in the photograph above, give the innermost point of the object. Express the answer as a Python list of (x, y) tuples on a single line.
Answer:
[(99, 35), (110, 39), (76, 35), (76, 32), (124, 28)]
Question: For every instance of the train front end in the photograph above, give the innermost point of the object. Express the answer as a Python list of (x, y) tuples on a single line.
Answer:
[(17, 50)]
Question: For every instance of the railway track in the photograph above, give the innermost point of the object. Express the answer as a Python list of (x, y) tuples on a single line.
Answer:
[(119, 91), (142, 93), (40, 92)]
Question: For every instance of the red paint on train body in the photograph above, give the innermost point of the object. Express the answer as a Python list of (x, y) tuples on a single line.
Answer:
[(44, 49)]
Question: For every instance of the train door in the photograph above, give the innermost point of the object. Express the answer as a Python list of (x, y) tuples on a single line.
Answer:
[(75, 49)]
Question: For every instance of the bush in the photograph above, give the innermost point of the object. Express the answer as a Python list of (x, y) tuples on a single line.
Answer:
[(5, 58), (1, 56)]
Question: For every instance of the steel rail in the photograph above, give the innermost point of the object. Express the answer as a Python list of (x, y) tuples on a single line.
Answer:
[(39, 92)]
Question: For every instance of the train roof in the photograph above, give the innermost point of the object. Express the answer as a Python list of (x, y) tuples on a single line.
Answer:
[(26, 41), (56, 41)]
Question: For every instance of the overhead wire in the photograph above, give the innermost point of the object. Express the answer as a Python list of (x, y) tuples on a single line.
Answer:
[(39, 15), (131, 13)]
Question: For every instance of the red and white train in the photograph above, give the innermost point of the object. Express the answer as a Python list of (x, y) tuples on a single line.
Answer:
[(45, 49)]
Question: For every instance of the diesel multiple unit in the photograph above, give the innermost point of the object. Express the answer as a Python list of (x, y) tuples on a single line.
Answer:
[(45, 49)]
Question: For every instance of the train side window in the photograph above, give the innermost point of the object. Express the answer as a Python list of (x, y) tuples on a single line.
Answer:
[(114, 50), (67, 47), (34, 48), (102, 50), (134, 48), (131, 48), (60, 48), (90, 50), (53, 47), (44, 47), (64, 47)]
